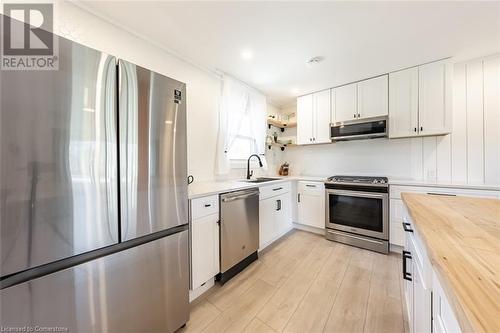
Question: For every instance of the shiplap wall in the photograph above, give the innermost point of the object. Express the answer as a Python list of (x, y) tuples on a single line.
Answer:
[(471, 154)]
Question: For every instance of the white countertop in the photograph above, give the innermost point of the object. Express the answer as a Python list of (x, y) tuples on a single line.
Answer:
[(203, 188)]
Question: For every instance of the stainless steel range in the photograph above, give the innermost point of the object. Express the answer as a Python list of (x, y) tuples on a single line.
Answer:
[(357, 211)]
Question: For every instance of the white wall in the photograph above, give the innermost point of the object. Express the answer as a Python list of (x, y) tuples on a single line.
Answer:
[(471, 154), (203, 87)]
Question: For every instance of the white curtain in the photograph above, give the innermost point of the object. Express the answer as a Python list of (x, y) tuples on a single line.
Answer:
[(239, 103)]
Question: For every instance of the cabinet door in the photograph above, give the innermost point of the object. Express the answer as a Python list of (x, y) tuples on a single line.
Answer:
[(403, 103), (434, 90), (203, 249), (305, 119), (322, 117), (283, 214), (267, 228), (408, 285), (373, 97), (421, 303), (311, 205), (345, 103)]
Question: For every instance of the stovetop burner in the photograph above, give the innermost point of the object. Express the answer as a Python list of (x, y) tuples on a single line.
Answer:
[(358, 180)]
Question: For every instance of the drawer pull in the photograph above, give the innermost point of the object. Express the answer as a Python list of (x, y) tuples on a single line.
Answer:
[(277, 188), (406, 227), (309, 185), (445, 194), (208, 205), (406, 275)]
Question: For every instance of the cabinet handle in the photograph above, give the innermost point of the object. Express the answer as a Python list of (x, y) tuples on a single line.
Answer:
[(359, 115), (277, 188), (354, 115), (421, 128), (406, 275), (406, 226), (314, 139), (445, 194), (415, 129), (298, 197), (309, 185), (278, 202), (310, 139), (208, 205)]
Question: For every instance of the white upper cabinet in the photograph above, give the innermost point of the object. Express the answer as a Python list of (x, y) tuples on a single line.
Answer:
[(420, 101), (345, 103), (373, 98), (304, 119), (434, 95), (322, 107), (313, 118), (361, 100), (403, 103)]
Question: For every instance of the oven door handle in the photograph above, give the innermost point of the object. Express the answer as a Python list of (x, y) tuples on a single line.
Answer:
[(358, 194)]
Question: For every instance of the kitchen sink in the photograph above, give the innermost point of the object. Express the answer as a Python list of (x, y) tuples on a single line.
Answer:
[(261, 180)]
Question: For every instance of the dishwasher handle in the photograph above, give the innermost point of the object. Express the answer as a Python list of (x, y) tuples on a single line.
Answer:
[(238, 195)]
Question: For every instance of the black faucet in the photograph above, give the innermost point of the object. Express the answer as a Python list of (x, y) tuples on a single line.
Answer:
[(250, 173)]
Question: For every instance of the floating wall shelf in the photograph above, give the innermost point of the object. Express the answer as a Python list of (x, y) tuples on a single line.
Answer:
[(279, 124)]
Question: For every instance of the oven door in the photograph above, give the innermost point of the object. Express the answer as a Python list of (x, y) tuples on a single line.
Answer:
[(363, 213)]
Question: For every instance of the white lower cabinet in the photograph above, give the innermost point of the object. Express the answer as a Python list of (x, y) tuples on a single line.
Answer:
[(311, 204), (427, 306), (275, 214), (204, 240), (443, 318)]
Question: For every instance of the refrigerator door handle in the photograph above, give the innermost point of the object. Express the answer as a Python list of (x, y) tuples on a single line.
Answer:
[(108, 92)]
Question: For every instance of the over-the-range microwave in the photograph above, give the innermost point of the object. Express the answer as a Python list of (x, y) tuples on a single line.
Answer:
[(359, 129)]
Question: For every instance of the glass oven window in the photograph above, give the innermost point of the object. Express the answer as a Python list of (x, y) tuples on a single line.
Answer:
[(357, 212)]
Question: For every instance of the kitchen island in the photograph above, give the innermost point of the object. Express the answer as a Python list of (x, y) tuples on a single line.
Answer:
[(461, 236)]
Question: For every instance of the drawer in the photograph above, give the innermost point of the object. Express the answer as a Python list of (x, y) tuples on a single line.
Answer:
[(311, 188), (204, 206), (420, 256), (269, 191), (395, 191)]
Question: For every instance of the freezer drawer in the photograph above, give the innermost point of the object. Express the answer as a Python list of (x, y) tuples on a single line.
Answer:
[(144, 289)]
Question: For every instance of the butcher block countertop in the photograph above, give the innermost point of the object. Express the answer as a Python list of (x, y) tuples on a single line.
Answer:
[(462, 239)]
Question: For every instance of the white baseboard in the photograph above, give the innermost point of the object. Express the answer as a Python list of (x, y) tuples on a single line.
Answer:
[(276, 238), (395, 248), (308, 228), (194, 294)]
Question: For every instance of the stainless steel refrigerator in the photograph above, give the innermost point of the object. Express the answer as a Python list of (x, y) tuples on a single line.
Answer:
[(93, 201)]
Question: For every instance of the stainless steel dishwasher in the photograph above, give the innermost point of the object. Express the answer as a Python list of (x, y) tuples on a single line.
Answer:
[(239, 231)]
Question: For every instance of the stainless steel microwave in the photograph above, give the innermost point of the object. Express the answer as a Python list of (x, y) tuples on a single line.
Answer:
[(359, 129)]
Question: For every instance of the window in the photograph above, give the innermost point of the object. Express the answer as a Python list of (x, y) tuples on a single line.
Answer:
[(244, 144), (242, 125)]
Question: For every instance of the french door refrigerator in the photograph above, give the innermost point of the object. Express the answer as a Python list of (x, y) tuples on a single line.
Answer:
[(93, 201)]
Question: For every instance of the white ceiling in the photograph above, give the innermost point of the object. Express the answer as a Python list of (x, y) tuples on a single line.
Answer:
[(357, 39)]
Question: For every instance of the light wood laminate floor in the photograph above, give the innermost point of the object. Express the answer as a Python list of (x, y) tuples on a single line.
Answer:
[(305, 283)]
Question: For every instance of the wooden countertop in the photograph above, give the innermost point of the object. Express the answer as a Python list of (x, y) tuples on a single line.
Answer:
[(462, 239)]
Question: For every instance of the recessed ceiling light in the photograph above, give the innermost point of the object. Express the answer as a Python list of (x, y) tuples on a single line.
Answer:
[(247, 54), (314, 61)]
